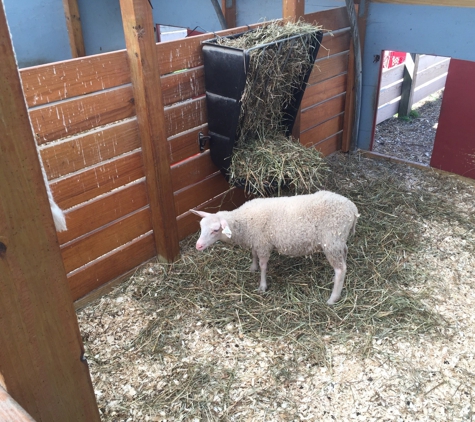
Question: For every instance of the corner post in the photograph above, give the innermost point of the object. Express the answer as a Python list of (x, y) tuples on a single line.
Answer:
[(138, 25)]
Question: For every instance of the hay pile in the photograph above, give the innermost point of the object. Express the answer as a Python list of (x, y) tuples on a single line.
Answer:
[(266, 158), (195, 341)]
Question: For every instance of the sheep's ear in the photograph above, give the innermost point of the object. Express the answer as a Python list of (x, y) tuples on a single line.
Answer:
[(202, 214), (225, 227)]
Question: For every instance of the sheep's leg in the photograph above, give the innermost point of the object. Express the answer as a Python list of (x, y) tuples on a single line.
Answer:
[(338, 262), (255, 262), (263, 264)]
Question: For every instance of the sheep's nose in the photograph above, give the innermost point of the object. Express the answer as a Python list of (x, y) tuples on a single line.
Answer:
[(199, 246)]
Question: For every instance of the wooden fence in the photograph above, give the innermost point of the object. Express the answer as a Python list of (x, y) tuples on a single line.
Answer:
[(84, 116), (429, 75)]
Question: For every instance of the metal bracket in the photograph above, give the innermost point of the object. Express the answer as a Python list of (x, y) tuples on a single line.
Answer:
[(202, 139)]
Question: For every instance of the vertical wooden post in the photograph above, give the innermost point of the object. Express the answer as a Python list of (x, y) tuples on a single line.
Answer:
[(145, 73), (293, 10), (10, 410), (347, 142), (229, 11), (73, 23), (41, 352), (411, 66)]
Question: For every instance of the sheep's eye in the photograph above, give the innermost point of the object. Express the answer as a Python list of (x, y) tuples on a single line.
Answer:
[(215, 230)]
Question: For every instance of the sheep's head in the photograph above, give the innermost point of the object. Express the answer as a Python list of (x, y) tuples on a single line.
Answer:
[(213, 228)]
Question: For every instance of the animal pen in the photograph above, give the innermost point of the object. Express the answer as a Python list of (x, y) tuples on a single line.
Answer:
[(118, 134)]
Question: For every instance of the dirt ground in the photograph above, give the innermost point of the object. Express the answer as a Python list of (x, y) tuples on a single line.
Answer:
[(193, 341)]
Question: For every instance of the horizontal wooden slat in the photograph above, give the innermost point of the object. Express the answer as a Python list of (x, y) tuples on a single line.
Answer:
[(432, 72), (96, 273), (390, 76), (188, 223), (192, 171), (428, 60), (324, 111), (87, 149), (329, 88), (182, 86), (329, 67), (70, 117), (430, 88), (59, 81), (81, 251), (102, 211), (186, 143), (388, 94), (330, 145), (331, 19), (185, 116), (97, 180), (194, 195), (387, 111), (334, 43), (322, 131)]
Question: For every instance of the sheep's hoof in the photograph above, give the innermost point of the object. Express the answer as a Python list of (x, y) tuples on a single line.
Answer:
[(332, 301), (254, 268), (261, 290)]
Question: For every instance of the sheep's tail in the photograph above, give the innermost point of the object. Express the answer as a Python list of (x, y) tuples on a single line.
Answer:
[(353, 227)]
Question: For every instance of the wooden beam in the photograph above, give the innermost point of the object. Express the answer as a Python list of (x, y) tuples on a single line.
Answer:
[(73, 23), (229, 11), (409, 82), (10, 410), (293, 10), (348, 142), (145, 73), (41, 353)]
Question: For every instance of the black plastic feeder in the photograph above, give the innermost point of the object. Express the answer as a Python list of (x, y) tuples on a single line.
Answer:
[(226, 70)]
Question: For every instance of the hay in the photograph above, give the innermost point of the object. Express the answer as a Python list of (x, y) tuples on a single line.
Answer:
[(266, 167), (194, 341)]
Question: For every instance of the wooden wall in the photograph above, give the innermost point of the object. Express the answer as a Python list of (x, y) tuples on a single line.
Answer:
[(84, 118)]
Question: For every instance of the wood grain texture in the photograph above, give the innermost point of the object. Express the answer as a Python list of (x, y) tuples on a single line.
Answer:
[(334, 43), (183, 86), (41, 349), (71, 117), (192, 171), (89, 247), (108, 267), (324, 111), (329, 67), (73, 24), (325, 90), (330, 145), (90, 148), (98, 180), (185, 116), (293, 10), (10, 410), (322, 131), (139, 33), (185, 144), (72, 78), (331, 19)]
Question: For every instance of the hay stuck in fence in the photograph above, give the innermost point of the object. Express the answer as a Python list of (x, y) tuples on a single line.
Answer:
[(275, 165)]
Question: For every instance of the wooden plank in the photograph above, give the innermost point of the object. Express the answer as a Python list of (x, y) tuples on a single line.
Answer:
[(188, 223), (395, 74), (428, 60), (426, 75), (139, 33), (349, 137), (182, 86), (62, 80), (390, 93), (387, 111), (409, 82), (71, 117), (95, 274), (229, 10), (329, 88), (102, 211), (10, 410), (430, 88), (334, 43), (80, 252), (196, 194), (186, 144), (293, 10), (320, 113), (193, 170), (73, 24), (90, 148), (329, 67), (42, 360), (185, 116), (451, 3), (330, 145), (331, 19), (98, 180), (322, 131)]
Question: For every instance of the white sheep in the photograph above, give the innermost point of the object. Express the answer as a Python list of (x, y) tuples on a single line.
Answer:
[(295, 226)]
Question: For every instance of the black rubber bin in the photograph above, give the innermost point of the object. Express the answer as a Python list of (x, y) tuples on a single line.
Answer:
[(226, 71)]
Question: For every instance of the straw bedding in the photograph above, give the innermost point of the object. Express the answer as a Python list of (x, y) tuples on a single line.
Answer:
[(194, 341)]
